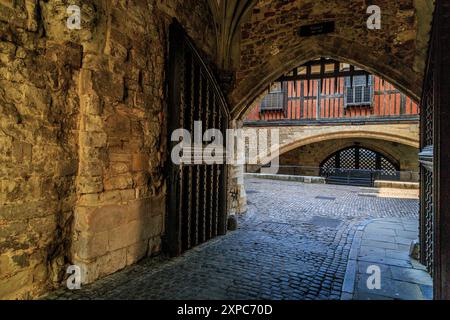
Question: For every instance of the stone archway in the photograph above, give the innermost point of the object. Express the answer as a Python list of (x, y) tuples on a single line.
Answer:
[(292, 138), (271, 47), (84, 115), (313, 155)]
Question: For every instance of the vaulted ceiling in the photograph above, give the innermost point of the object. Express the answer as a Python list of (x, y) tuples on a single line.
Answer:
[(229, 15)]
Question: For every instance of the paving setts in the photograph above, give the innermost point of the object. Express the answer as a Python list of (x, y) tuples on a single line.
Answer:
[(385, 243), (293, 243)]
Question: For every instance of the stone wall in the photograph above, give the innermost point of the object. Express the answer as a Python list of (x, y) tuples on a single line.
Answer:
[(82, 136), (39, 108), (293, 137), (119, 217)]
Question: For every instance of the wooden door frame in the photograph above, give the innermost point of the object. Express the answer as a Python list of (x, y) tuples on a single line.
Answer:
[(440, 53)]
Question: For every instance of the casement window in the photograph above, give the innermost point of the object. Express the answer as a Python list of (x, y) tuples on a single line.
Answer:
[(360, 92), (276, 98)]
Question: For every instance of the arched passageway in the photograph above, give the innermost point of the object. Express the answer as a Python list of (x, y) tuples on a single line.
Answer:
[(84, 114), (270, 47), (312, 160)]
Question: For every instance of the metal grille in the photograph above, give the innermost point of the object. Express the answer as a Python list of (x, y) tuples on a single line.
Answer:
[(196, 192), (428, 114), (367, 159), (387, 167), (358, 166), (348, 159), (329, 166), (426, 199), (330, 163), (358, 158), (429, 220)]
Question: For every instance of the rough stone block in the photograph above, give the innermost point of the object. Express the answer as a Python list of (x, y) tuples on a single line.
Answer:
[(106, 84), (93, 139), (158, 205), (92, 123), (121, 182), (103, 266), (96, 220), (89, 184), (22, 152), (87, 246), (126, 235), (136, 252), (119, 168), (118, 125), (11, 287), (140, 162), (153, 227), (154, 246)]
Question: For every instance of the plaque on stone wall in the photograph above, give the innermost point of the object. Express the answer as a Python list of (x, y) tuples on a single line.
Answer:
[(317, 29)]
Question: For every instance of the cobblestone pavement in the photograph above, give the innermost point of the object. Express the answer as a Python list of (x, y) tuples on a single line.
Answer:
[(293, 243)]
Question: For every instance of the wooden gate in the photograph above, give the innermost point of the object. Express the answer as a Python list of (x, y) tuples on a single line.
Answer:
[(196, 208)]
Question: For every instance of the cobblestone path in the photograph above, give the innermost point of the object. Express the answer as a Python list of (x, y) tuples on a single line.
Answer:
[(293, 243)]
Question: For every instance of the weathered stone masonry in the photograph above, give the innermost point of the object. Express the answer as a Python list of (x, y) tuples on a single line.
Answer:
[(82, 136)]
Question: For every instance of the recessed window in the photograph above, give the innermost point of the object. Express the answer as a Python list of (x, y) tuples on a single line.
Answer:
[(360, 92), (276, 98)]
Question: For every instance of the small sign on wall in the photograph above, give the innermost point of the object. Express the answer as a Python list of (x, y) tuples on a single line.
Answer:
[(317, 29)]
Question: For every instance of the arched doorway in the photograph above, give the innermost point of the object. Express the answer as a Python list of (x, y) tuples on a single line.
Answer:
[(358, 166)]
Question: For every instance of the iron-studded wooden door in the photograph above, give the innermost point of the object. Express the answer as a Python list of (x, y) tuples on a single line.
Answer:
[(196, 210)]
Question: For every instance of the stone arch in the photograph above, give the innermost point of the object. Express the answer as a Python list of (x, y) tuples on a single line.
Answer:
[(347, 135), (255, 85), (271, 46), (334, 133)]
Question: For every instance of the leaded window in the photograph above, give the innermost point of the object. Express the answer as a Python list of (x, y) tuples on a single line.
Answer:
[(359, 91), (275, 100)]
